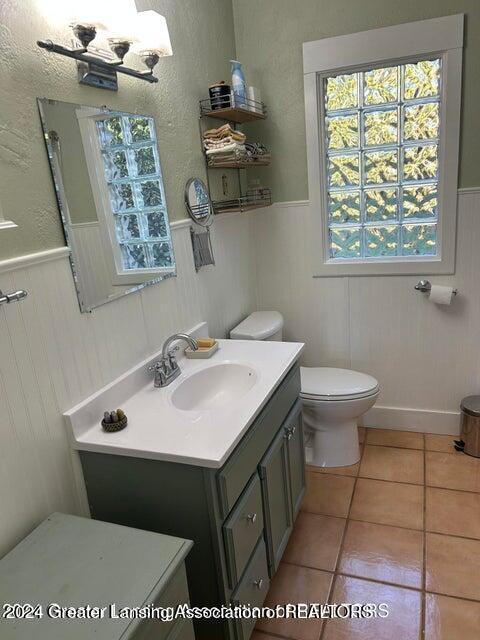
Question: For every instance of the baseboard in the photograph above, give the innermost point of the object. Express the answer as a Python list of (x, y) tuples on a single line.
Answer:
[(441, 422)]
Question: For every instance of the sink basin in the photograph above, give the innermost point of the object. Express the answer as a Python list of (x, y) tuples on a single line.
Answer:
[(214, 386)]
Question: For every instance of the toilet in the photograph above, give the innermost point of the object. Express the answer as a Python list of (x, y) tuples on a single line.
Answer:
[(332, 399)]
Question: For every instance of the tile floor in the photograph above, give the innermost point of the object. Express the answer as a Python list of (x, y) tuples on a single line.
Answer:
[(403, 527)]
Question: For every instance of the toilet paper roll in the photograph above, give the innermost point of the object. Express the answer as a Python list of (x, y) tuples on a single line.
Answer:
[(441, 294)]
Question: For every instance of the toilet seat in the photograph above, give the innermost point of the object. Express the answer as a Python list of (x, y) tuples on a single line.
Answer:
[(326, 383)]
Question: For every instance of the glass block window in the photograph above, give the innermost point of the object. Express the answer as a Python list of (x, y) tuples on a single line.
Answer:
[(132, 171), (381, 131)]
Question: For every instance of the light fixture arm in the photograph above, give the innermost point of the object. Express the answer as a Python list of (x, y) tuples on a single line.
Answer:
[(82, 56)]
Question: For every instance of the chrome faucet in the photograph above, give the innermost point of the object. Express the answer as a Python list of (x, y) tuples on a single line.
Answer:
[(166, 369)]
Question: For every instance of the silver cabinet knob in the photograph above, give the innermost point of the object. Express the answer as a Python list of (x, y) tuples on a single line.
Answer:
[(258, 583), (252, 517)]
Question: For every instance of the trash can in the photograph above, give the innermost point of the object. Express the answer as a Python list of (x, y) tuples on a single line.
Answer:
[(470, 426)]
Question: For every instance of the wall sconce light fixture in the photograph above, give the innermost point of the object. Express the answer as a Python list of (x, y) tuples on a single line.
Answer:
[(101, 45)]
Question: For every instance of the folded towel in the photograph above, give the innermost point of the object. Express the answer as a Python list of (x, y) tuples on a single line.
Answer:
[(229, 147), (211, 142), (226, 131)]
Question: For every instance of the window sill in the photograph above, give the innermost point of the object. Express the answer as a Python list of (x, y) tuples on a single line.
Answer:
[(405, 267)]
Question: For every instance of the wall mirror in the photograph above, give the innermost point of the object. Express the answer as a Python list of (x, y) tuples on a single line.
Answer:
[(198, 203), (108, 182)]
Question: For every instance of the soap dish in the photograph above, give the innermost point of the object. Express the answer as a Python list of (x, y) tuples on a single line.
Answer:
[(111, 427), (201, 352)]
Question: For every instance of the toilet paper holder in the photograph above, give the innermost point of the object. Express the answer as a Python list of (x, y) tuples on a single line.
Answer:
[(425, 286)]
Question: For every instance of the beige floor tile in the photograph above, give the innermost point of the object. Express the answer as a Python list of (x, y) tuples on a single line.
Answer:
[(453, 566), (402, 622), (451, 618), (435, 442), (315, 541), (456, 513), (393, 438), (293, 584), (388, 503), (351, 470), (327, 494), (388, 463), (380, 552), (453, 471), (361, 434), (259, 635)]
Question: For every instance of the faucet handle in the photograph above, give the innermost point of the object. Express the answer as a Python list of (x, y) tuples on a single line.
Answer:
[(172, 361)]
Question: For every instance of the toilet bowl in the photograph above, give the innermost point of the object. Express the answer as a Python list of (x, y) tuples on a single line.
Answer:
[(332, 402), (332, 399)]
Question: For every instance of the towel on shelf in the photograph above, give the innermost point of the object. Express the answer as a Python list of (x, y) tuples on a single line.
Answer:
[(214, 144), (256, 149), (226, 131), (232, 146)]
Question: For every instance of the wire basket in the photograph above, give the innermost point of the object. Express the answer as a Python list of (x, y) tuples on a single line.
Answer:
[(254, 199)]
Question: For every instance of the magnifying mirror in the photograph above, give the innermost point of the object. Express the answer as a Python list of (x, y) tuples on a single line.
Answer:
[(198, 203)]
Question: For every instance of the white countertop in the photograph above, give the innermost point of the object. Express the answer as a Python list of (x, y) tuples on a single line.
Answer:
[(157, 430)]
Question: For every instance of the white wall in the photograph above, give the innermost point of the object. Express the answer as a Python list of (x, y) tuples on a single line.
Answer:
[(52, 356), (426, 357)]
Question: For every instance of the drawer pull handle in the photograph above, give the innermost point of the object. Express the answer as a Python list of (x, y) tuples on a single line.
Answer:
[(258, 583), (252, 517)]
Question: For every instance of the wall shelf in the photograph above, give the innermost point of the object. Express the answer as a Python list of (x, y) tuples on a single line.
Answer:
[(240, 164), (248, 112)]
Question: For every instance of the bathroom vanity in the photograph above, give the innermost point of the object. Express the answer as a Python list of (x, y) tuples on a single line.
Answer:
[(226, 471)]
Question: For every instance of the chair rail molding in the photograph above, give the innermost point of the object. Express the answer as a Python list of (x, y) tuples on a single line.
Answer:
[(30, 259)]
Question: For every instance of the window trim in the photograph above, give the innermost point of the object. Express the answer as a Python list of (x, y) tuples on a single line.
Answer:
[(439, 37)]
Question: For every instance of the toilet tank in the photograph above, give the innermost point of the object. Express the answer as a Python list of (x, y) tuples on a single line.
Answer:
[(260, 325)]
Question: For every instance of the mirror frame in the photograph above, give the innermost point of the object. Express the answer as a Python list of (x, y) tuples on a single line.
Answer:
[(202, 221)]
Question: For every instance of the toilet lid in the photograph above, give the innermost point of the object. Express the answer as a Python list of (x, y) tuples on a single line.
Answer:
[(259, 325), (325, 383)]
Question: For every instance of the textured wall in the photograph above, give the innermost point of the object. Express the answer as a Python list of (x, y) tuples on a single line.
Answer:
[(269, 36), (202, 38)]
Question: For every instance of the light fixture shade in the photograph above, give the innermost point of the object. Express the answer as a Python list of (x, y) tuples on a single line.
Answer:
[(151, 34), (106, 15)]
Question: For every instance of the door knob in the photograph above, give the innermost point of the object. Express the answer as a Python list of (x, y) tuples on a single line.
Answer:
[(258, 583), (251, 517)]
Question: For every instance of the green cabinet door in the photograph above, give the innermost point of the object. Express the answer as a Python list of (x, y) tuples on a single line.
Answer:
[(277, 509), (296, 457)]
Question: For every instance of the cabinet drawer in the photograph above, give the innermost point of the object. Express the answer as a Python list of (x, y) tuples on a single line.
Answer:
[(243, 462), (252, 589), (176, 592), (242, 529)]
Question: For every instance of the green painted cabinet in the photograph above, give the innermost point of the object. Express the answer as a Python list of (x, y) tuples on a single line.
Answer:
[(239, 516), (296, 458), (282, 471), (69, 564), (276, 499)]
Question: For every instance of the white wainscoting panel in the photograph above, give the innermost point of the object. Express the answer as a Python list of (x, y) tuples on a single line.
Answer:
[(52, 356), (426, 357)]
